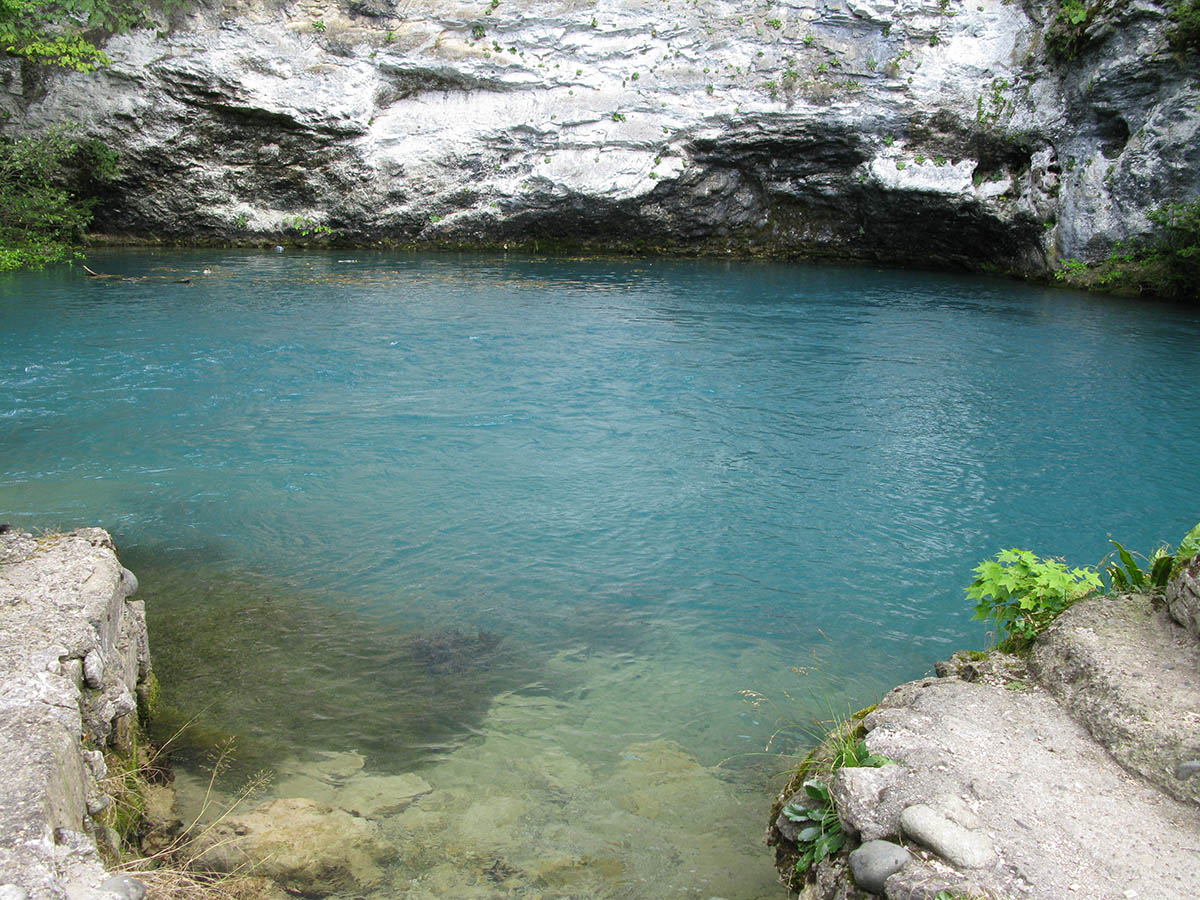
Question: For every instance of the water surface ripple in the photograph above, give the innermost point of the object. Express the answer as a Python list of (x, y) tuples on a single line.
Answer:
[(441, 510)]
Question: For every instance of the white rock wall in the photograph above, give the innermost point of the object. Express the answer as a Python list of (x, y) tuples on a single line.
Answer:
[(857, 128)]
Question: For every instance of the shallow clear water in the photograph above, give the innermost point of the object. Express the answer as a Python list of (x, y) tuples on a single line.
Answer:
[(578, 538)]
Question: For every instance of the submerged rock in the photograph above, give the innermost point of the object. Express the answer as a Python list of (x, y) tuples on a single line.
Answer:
[(304, 846), (905, 131)]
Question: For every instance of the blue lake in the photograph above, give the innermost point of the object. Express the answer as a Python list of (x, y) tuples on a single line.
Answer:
[(596, 539)]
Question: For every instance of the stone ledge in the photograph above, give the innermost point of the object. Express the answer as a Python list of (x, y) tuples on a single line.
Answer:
[(1003, 786), (1131, 675), (73, 650)]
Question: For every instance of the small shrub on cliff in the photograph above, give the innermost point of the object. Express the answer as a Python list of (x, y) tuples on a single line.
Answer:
[(1023, 593), (1068, 35), (47, 187)]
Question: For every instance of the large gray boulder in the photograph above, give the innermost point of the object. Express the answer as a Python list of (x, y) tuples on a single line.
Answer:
[(1000, 792)]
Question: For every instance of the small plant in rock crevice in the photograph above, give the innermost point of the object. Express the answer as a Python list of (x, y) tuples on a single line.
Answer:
[(821, 831), (1127, 575), (1162, 564)]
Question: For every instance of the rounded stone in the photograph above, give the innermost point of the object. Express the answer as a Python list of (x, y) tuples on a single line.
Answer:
[(124, 887), (873, 863), (960, 846)]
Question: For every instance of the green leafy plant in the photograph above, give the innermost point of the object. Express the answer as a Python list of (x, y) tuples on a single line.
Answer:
[(852, 753), (306, 226), (1024, 593), (47, 191), (1127, 575), (63, 32), (821, 830), (775, 24), (1067, 36), (319, 26), (1188, 548), (1185, 14), (618, 117)]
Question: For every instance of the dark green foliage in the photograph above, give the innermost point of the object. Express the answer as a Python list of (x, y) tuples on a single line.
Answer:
[(61, 32), (1166, 264), (1178, 244), (46, 186), (853, 754), (821, 831), (1185, 14), (1068, 35), (1127, 575)]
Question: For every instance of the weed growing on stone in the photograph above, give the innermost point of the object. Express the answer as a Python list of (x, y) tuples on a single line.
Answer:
[(1127, 575), (1068, 32), (1161, 565), (1023, 593), (821, 832)]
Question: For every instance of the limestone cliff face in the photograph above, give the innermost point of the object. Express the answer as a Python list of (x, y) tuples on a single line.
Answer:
[(912, 131)]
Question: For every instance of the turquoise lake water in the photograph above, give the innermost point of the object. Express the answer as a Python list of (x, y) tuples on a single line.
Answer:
[(577, 540)]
